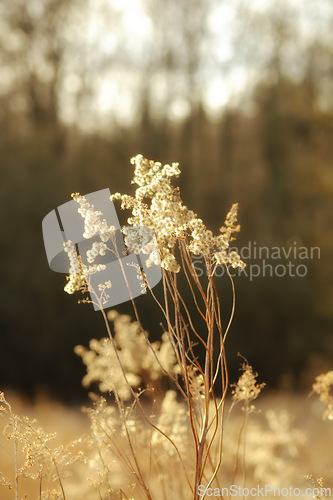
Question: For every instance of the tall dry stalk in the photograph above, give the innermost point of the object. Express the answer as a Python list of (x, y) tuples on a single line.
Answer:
[(202, 381)]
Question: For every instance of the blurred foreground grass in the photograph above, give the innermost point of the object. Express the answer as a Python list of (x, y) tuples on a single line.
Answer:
[(285, 437)]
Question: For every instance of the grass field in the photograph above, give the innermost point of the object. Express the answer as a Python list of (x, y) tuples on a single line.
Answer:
[(281, 449)]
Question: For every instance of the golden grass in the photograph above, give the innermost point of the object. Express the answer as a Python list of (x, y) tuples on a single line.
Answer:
[(313, 456)]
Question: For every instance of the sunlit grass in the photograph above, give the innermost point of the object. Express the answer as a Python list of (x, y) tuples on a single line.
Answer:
[(167, 422)]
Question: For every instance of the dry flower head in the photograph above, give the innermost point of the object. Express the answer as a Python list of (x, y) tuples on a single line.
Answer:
[(323, 386), (247, 388), (157, 205)]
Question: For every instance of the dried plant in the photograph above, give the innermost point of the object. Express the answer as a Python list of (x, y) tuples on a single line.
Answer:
[(247, 389), (180, 234), (43, 462), (323, 386), (136, 357), (158, 429)]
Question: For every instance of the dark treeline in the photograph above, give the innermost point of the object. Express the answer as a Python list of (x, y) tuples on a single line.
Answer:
[(271, 151)]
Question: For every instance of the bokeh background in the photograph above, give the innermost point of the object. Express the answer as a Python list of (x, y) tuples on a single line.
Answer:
[(240, 93)]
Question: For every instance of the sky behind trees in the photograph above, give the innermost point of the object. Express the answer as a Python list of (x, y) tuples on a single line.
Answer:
[(100, 54)]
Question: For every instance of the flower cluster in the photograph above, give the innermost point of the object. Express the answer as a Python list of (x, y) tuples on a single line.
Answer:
[(323, 387), (79, 273), (141, 240), (171, 220), (247, 389), (94, 225), (98, 248), (76, 280), (138, 362)]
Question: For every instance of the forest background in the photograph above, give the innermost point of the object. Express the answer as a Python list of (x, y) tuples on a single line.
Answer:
[(239, 93)]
